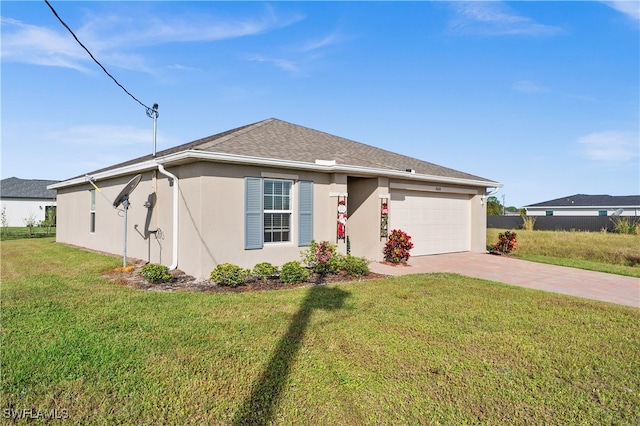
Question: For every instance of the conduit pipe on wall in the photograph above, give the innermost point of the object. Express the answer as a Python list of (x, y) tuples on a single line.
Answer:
[(176, 199)]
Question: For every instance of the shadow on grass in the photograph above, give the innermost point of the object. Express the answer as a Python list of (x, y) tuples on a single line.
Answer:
[(259, 407)]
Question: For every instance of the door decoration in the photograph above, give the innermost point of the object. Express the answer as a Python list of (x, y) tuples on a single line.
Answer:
[(384, 218), (342, 218)]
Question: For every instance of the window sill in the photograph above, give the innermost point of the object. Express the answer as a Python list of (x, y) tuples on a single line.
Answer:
[(278, 244)]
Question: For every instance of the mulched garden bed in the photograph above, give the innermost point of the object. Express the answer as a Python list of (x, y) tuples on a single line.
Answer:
[(184, 282)]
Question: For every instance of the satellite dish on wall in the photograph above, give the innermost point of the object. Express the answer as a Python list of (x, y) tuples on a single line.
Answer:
[(126, 191), (123, 198), (617, 212)]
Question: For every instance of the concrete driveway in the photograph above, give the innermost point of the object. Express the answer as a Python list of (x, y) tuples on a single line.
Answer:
[(540, 276)]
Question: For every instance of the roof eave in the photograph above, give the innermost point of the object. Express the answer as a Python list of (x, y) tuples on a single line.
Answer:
[(195, 155), (22, 197), (120, 171)]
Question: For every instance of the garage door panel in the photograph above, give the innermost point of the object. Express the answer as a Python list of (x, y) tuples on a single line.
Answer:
[(437, 223)]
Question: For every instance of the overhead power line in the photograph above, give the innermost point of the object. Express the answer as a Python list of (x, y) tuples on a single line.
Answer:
[(149, 110)]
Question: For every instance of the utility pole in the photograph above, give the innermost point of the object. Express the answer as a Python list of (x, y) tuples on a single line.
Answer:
[(153, 113), (503, 206)]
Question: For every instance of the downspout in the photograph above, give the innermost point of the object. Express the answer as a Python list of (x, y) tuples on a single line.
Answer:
[(176, 199), (489, 194)]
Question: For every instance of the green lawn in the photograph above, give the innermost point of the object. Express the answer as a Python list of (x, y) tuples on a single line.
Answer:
[(19, 232), (597, 251), (422, 349)]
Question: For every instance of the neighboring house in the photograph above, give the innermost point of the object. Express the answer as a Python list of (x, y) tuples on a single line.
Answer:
[(262, 192), (25, 200), (587, 205)]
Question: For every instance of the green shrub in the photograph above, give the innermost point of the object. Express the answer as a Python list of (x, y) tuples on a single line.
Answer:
[(322, 257), (293, 272), (265, 270), (335, 263), (624, 225), (355, 266), (229, 274), (155, 273)]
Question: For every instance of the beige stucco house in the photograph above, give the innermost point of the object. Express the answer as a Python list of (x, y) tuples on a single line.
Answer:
[(587, 205), (262, 192)]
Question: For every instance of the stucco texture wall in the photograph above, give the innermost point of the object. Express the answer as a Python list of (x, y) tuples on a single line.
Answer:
[(212, 222), (211, 216), (74, 218)]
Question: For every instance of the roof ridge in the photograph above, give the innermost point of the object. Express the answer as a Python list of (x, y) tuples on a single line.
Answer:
[(234, 134), (182, 147), (368, 146), (279, 139)]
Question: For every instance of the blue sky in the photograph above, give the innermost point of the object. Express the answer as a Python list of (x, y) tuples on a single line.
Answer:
[(541, 96)]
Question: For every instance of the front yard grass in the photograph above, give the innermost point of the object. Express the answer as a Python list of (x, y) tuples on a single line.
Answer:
[(596, 251), (421, 349)]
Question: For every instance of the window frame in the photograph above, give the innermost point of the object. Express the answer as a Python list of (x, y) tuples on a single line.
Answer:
[(301, 205), (273, 211)]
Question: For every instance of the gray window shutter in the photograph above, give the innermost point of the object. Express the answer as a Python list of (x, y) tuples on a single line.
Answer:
[(253, 213), (305, 213)]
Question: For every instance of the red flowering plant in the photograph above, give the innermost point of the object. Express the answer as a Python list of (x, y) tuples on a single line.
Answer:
[(322, 257), (506, 243), (397, 247), (323, 252)]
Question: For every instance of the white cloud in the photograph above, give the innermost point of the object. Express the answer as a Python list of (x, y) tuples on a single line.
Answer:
[(183, 68), (304, 53), (630, 8), (112, 38), (283, 64), (75, 150), (610, 146), (326, 41), (496, 19), (40, 46), (156, 30), (97, 135), (528, 86)]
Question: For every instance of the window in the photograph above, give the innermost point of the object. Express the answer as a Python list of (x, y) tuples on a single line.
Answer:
[(269, 209), (277, 210), (602, 212), (92, 212), (549, 213), (50, 214)]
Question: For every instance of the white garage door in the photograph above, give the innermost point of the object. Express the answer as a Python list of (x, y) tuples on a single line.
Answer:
[(437, 223)]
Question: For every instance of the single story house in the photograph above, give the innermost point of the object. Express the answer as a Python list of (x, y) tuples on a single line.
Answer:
[(26, 200), (262, 192), (587, 205)]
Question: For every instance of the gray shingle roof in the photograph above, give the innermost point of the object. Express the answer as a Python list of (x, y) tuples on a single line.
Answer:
[(582, 200), (277, 139), (14, 187)]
